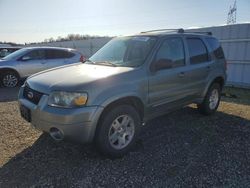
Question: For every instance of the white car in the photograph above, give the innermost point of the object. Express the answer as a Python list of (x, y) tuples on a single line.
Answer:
[(27, 61)]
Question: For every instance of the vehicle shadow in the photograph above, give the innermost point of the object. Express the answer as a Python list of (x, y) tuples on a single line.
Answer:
[(182, 148), (9, 94)]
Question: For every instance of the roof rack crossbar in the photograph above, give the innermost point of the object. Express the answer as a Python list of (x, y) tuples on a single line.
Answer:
[(177, 30)]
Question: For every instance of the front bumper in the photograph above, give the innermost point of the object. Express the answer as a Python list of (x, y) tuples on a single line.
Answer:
[(76, 124)]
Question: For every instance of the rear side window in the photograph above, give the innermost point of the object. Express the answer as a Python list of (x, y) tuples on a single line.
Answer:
[(216, 48), (172, 49), (58, 54), (197, 51)]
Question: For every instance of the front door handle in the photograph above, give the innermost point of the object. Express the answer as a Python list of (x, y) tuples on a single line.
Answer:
[(181, 74)]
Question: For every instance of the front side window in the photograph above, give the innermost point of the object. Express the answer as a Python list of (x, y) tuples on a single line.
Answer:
[(172, 51), (16, 54), (35, 55), (125, 51), (197, 51)]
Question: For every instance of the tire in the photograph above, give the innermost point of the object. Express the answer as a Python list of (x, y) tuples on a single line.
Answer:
[(113, 138), (211, 100), (9, 79)]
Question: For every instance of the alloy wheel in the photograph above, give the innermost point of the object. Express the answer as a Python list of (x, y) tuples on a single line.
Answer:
[(10, 80), (121, 132), (213, 99)]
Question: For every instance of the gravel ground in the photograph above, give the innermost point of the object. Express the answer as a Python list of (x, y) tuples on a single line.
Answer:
[(181, 149)]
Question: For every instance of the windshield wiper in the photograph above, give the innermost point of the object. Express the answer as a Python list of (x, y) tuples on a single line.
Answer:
[(105, 63)]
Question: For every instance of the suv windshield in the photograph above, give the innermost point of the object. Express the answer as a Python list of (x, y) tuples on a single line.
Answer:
[(15, 54), (124, 51)]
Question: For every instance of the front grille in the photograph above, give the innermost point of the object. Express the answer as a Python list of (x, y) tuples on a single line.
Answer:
[(32, 95)]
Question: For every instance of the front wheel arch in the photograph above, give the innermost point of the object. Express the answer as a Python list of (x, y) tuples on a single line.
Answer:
[(134, 101), (102, 132)]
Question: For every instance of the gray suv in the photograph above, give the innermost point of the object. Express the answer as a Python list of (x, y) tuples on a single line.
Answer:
[(126, 83), (27, 61)]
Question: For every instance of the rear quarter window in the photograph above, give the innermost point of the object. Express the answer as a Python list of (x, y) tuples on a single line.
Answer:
[(216, 48)]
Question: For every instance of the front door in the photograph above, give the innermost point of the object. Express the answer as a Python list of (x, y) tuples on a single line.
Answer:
[(32, 62)]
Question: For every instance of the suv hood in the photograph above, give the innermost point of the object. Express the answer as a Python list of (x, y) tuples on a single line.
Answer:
[(71, 77)]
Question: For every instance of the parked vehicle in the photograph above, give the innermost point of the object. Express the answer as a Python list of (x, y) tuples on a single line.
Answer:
[(126, 83), (4, 51), (27, 61)]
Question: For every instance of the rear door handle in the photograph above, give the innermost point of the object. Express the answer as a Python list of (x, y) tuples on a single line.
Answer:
[(181, 74)]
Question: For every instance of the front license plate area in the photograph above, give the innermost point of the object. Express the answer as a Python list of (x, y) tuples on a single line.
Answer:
[(25, 113)]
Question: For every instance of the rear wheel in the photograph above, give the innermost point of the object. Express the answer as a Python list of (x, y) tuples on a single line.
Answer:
[(118, 131), (9, 79), (212, 100)]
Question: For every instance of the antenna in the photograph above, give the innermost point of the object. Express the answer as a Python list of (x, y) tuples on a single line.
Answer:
[(231, 16)]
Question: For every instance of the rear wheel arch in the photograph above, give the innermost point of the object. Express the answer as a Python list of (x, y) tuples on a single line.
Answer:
[(212, 99), (219, 79)]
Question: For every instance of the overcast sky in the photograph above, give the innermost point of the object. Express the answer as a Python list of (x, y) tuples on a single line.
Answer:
[(34, 20)]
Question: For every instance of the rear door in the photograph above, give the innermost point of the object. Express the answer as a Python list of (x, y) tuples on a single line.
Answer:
[(56, 57), (167, 86), (199, 64)]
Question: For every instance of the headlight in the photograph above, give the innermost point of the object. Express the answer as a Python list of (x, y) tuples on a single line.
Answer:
[(67, 99)]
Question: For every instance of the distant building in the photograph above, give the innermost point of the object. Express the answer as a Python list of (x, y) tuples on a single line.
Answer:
[(5, 45)]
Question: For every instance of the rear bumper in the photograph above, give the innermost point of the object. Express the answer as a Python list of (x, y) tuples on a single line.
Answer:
[(76, 124)]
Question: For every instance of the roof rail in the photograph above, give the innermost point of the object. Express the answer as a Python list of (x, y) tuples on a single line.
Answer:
[(177, 30), (200, 32)]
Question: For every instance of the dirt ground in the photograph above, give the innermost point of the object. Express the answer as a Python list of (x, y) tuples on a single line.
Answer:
[(181, 149)]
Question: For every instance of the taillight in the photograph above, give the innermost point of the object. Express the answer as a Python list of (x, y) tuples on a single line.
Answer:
[(82, 59)]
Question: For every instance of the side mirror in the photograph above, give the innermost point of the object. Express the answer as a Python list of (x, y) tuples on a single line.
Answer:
[(83, 59), (162, 64), (26, 58)]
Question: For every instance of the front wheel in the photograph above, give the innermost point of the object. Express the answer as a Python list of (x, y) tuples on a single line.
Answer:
[(9, 79), (211, 101), (118, 131)]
